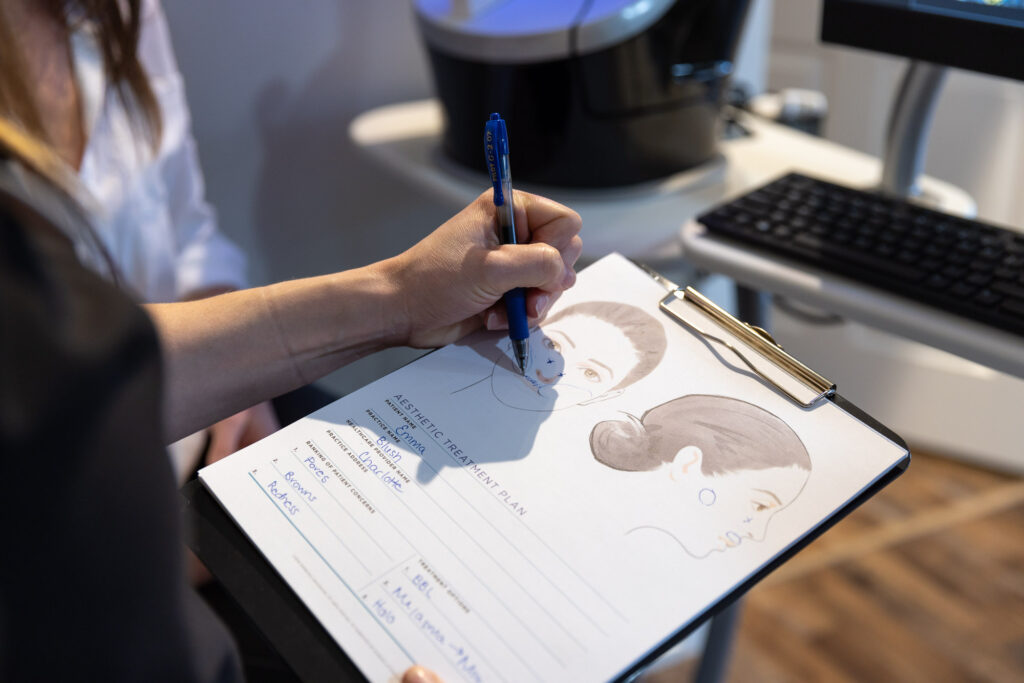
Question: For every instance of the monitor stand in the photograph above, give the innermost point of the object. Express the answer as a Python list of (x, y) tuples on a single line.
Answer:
[(937, 401), (909, 123)]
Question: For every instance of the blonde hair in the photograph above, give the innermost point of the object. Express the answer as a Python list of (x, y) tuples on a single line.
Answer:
[(118, 24), (59, 202), (36, 155)]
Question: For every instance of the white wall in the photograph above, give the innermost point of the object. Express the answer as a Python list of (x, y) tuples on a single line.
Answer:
[(273, 86)]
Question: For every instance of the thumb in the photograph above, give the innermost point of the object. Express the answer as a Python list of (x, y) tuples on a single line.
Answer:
[(537, 265), (418, 674)]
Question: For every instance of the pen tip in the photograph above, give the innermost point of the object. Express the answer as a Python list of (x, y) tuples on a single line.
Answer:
[(522, 354)]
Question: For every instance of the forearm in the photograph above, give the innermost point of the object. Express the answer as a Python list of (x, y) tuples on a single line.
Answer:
[(228, 352)]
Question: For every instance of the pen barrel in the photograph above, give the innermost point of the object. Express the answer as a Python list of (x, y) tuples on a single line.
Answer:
[(506, 219), (515, 307)]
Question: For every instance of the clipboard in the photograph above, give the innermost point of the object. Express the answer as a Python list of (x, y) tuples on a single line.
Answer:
[(301, 640), (309, 649), (765, 358)]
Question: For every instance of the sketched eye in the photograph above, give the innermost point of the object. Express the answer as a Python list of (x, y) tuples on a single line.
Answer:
[(591, 375), (759, 507), (552, 344)]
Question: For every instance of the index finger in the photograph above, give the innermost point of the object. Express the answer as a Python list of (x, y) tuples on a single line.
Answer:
[(533, 212)]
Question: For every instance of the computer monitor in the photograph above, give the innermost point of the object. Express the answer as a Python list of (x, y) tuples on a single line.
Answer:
[(978, 35)]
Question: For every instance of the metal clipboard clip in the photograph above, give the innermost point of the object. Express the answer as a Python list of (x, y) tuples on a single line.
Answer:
[(752, 345)]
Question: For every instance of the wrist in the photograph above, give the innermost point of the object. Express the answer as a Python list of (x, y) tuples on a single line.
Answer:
[(393, 305), (328, 321)]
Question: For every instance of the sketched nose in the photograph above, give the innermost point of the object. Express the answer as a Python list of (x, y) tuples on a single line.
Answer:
[(758, 530)]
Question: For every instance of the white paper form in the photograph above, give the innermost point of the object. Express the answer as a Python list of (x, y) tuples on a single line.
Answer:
[(555, 527)]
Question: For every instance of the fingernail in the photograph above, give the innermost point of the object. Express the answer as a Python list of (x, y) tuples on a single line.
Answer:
[(491, 321), (542, 305), (570, 279), (418, 674)]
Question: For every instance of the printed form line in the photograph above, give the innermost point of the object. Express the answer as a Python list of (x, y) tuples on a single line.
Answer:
[(482, 585), (372, 582), (434, 643), (331, 567), (355, 595), (389, 570), (553, 552), (329, 527), (342, 612), (420, 554), (342, 507), (532, 533), (498, 564)]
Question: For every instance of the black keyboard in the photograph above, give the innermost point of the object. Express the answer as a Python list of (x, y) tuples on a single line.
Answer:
[(960, 266)]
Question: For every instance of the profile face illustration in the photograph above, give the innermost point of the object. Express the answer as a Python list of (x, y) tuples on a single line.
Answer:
[(585, 353), (719, 466)]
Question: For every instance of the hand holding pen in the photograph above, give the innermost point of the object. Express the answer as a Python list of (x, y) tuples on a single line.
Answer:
[(456, 277), (452, 281)]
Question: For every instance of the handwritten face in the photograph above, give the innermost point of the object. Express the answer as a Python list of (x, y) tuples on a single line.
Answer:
[(724, 511), (574, 359)]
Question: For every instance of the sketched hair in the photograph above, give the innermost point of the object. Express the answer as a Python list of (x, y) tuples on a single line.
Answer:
[(732, 435), (643, 331)]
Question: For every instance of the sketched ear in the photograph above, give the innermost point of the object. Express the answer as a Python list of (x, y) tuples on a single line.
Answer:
[(603, 397), (687, 461)]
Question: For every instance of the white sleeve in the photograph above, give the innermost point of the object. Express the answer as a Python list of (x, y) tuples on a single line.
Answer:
[(204, 256)]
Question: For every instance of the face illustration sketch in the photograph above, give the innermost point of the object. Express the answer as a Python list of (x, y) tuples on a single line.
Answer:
[(722, 511), (586, 353), (574, 360), (717, 468)]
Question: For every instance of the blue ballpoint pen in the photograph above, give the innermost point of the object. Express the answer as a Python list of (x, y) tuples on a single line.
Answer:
[(496, 151)]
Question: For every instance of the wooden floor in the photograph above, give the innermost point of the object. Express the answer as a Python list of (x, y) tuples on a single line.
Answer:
[(925, 582)]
